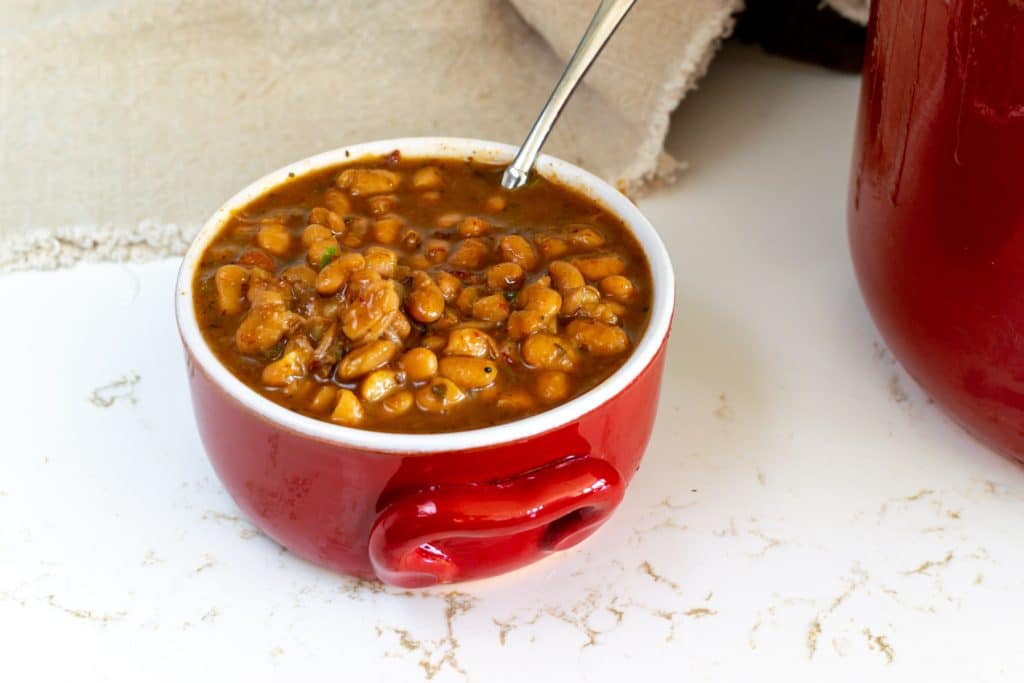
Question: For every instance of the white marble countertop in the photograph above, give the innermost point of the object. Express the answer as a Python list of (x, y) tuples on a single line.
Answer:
[(803, 511)]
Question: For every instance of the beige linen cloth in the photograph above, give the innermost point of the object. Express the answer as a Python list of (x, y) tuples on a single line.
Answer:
[(125, 123)]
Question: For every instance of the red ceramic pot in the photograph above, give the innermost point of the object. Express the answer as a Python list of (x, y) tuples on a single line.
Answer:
[(937, 203), (420, 509)]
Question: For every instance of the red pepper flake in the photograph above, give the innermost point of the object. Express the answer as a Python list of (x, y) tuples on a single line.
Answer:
[(394, 157)]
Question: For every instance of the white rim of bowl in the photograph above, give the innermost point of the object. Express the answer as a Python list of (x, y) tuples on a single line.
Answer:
[(441, 148)]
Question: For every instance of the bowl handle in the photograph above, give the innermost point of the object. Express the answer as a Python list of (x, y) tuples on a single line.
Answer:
[(570, 497)]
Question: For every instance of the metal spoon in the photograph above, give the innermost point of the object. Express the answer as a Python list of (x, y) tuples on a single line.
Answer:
[(607, 18)]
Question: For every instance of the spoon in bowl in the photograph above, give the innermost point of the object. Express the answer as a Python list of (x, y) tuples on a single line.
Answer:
[(606, 19)]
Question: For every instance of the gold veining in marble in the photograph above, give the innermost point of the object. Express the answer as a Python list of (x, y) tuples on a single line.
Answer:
[(208, 561), (87, 614), (931, 564), (121, 389), (881, 643), (646, 569), (246, 530), (151, 559), (434, 655), (813, 633)]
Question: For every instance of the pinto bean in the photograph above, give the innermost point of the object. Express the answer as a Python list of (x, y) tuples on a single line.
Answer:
[(436, 250), (552, 247), (450, 286), (314, 233), (263, 327), (470, 253), (337, 202), (540, 298), (549, 352), (505, 276), (382, 260), (370, 308), (288, 367), (300, 273), (584, 237), (335, 274), (411, 240), (368, 181), (516, 400), (468, 341), (493, 308), (522, 324), (565, 276), (598, 338), (367, 358), (447, 220), (382, 204), (553, 386), (229, 281), (348, 410), (399, 402), (275, 238), (425, 304), (419, 364), (619, 288), (356, 230), (580, 299), (323, 399), (467, 297), (471, 226), (378, 384), (387, 229), (434, 342), (495, 204), (326, 218), (468, 372), (439, 395), (427, 178), (600, 267), (323, 252), (516, 249), (256, 258)]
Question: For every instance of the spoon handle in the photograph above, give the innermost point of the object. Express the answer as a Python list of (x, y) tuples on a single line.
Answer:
[(602, 26)]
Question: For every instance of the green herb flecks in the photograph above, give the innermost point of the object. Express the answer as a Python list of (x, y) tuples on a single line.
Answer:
[(328, 256)]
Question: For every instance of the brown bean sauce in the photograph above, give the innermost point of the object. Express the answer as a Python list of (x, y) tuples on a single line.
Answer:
[(315, 294)]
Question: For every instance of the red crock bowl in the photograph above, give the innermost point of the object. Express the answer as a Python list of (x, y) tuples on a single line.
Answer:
[(420, 509)]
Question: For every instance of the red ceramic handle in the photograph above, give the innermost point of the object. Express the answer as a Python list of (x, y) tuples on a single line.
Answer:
[(570, 497)]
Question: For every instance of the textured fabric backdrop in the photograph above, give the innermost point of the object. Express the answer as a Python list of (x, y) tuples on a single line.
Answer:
[(124, 123)]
